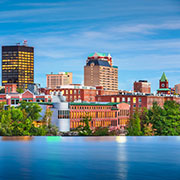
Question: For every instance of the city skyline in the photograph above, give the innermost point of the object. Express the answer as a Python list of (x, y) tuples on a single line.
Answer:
[(142, 37)]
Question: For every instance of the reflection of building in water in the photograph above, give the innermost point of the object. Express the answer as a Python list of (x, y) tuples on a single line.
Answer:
[(17, 138)]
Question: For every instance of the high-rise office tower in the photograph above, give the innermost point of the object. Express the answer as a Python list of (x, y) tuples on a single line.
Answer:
[(18, 65), (99, 71)]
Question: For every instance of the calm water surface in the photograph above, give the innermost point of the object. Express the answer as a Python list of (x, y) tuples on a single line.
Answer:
[(125, 158)]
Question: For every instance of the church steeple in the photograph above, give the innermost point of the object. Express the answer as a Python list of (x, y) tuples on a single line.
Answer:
[(163, 78), (163, 85)]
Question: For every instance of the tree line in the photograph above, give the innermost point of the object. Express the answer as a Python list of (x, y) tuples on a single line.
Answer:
[(19, 121), (158, 121)]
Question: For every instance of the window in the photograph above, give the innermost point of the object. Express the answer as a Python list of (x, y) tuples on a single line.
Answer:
[(112, 99), (12, 101), (63, 114), (134, 99)]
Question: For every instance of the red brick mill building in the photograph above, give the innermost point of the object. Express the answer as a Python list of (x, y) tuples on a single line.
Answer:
[(114, 115)]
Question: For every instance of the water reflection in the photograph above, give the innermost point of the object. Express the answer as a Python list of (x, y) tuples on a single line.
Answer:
[(53, 138), (17, 138), (122, 157), (121, 139), (100, 138)]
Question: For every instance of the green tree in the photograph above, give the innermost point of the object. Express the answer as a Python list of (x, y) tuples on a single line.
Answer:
[(31, 109), (47, 117), (148, 131), (156, 118), (86, 129), (171, 117), (2, 91), (19, 90), (101, 131), (134, 126), (19, 121)]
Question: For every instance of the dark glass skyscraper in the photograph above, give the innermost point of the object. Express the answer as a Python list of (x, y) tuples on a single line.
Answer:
[(18, 65)]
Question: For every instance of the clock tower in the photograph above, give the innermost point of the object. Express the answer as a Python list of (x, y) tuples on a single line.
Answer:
[(163, 85)]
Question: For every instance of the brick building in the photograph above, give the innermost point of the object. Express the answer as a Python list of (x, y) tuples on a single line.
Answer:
[(142, 86), (177, 88), (99, 71), (163, 85), (137, 100), (11, 97), (103, 114), (78, 92)]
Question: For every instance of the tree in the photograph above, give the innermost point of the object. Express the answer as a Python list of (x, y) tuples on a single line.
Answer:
[(32, 109), (47, 117), (20, 90), (156, 118), (148, 131), (134, 127), (101, 131), (2, 91), (171, 117), (85, 130), (19, 121)]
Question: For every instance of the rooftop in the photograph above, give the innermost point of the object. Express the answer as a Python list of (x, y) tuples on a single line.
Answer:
[(99, 54), (98, 63), (94, 104), (163, 78)]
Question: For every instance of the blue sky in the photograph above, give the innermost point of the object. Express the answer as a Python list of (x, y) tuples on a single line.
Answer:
[(143, 36)]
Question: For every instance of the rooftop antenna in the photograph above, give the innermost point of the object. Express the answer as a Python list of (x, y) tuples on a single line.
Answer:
[(25, 42)]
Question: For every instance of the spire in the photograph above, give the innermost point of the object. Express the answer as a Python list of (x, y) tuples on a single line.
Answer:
[(163, 78)]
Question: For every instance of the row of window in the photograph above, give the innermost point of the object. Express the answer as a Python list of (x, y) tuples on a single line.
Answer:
[(80, 115), (94, 123), (16, 101), (128, 100)]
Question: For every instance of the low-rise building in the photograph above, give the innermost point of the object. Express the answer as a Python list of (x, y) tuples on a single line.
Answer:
[(74, 93), (12, 97), (142, 86), (102, 114), (177, 88)]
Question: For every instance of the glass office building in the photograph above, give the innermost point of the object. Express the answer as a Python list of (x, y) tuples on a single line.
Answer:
[(18, 65)]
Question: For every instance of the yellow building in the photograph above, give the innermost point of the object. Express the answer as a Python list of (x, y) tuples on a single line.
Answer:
[(18, 65)]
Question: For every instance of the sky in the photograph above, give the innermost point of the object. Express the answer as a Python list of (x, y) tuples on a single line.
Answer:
[(142, 36)]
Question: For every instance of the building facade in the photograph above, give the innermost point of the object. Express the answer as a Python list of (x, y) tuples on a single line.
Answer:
[(163, 85), (177, 88), (18, 65), (138, 101), (12, 97), (102, 114), (142, 86), (57, 80), (99, 71), (78, 92)]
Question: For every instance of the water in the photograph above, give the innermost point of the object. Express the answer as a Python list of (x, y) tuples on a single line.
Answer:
[(125, 158)]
